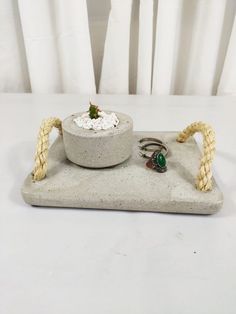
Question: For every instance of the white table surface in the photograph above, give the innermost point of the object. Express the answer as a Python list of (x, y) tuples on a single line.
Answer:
[(87, 261)]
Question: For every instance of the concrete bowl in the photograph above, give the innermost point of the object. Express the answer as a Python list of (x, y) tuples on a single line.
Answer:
[(98, 149)]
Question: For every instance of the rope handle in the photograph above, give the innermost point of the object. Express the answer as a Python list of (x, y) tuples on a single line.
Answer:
[(204, 177), (41, 155)]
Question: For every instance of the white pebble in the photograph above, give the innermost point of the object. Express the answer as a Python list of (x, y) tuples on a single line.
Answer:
[(104, 122)]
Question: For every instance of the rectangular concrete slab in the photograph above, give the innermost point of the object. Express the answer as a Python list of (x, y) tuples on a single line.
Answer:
[(129, 186)]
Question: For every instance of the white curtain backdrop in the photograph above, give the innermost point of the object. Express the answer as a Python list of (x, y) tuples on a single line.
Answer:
[(118, 46)]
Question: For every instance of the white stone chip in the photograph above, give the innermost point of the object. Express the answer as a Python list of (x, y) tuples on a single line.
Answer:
[(104, 122)]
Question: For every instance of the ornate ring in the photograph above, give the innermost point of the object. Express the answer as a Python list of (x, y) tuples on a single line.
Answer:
[(157, 160)]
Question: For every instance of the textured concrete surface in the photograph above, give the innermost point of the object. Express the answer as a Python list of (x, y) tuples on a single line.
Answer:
[(98, 149), (128, 186)]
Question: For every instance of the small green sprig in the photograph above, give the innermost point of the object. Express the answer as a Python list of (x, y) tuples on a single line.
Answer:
[(93, 111)]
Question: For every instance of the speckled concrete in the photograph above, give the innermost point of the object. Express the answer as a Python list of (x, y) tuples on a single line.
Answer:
[(98, 149), (128, 186)]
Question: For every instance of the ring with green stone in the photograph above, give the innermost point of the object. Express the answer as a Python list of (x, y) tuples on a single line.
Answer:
[(157, 160)]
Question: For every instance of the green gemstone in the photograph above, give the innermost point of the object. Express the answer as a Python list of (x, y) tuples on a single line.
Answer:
[(160, 160)]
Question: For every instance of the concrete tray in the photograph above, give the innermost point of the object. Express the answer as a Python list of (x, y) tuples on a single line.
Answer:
[(129, 186)]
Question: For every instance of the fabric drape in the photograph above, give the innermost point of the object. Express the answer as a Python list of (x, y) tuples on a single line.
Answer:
[(159, 47), (115, 67), (145, 47), (227, 83)]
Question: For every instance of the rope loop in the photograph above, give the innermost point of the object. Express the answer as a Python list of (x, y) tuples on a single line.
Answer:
[(41, 155), (204, 177)]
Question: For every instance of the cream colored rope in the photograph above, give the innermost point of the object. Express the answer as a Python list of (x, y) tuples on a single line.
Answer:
[(41, 154), (204, 177)]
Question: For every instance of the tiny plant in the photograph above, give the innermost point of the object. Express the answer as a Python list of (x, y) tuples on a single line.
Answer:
[(93, 111)]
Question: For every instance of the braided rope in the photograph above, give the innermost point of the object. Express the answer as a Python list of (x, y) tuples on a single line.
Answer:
[(41, 154), (204, 177)]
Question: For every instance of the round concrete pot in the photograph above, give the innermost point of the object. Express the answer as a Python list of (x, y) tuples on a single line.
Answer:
[(98, 149)]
